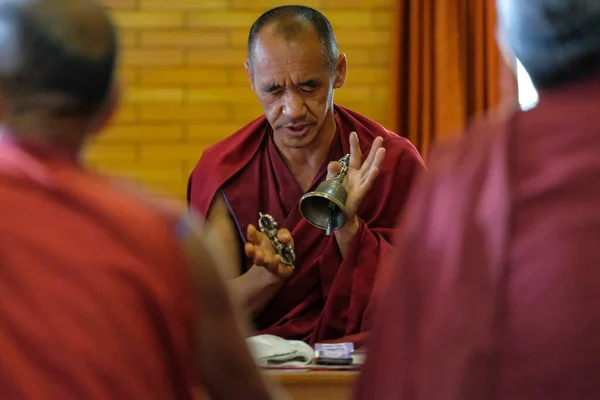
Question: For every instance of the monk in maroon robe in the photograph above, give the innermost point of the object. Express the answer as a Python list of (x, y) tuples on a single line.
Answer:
[(105, 293), (496, 287), (269, 164)]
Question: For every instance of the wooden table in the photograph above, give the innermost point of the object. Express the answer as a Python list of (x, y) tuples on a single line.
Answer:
[(326, 385)]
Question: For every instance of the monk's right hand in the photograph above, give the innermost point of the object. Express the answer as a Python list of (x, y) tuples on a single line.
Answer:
[(259, 248)]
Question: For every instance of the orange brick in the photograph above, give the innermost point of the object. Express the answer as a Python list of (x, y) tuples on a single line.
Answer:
[(350, 93), (237, 76), (365, 75), (348, 19), (383, 19), (136, 19), (381, 57), (362, 4), (127, 75), (217, 57), (245, 114), (183, 5), (210, 133), (128, 38), (381, 94), (264, 5), (125, 114), (182, 76), (153, 95), (107, 154), (170, 188), (222, 19), (239, 37), (358, 57), (165, 152), (145, 171), (352, 38), (183, 113), (143, 58), (236, 95), (120, 4), (182, 39), (142, 134)]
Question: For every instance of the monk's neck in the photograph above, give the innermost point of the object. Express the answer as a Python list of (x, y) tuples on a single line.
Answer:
[(305, 162), (65, 135)]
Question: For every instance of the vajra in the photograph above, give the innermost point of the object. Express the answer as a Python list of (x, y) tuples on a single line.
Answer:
[(268, 225)]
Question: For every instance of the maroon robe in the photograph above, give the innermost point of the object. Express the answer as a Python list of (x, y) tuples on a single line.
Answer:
[(327, 296), (496, 286), (96, 295)]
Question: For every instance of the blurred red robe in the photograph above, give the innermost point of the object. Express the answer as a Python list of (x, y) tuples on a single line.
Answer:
[(495, 291), (327, 297), (96, 298)]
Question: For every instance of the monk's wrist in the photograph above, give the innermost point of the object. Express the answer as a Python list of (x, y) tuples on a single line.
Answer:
[(346, 233), (350, 228)]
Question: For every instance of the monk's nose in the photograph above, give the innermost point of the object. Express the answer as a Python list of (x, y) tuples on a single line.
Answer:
[(293, 105)]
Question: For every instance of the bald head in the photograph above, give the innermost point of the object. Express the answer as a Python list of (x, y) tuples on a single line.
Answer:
[(557, 41), (292, 22), (56, 56)]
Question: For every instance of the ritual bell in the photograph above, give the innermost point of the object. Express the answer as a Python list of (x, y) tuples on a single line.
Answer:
[(325, 207)]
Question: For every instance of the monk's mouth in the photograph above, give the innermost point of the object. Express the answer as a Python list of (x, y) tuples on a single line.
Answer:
[(298, 130)]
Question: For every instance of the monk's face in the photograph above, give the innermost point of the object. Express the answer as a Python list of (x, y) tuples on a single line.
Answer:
[(295, 86)]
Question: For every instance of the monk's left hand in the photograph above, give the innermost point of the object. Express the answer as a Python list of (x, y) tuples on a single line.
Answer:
[(361, 175)]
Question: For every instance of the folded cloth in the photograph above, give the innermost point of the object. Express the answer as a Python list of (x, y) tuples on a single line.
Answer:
[(270, 350)]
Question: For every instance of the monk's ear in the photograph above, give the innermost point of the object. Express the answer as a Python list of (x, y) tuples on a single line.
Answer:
[(249, 74), (340, 71)]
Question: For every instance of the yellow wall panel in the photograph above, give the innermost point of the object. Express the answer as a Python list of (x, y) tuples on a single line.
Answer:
[(183, 76), (184, 85), (183, 39), (145, 58)]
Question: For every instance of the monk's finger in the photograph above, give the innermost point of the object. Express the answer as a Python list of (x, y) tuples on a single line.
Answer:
[(267, 259), (367, 184), (377, 143), (250, 250), (284, 271), (379, 157), (355, 154), (259, 257), (333, 168), (253, 235), (274, 263), (285, 237)]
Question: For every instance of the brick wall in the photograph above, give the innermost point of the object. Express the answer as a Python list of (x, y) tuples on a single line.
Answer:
[(185, 87)]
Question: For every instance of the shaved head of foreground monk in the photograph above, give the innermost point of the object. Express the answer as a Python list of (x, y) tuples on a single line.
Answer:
[(105, 294), (294, 68), (496, 287)]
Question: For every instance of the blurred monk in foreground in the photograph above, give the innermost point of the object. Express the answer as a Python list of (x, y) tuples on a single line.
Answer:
[(496, 291), (105, 294), (294, 67)]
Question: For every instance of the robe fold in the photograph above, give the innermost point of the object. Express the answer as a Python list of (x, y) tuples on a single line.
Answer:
[(495, 290), (326, 297), (96, 298)]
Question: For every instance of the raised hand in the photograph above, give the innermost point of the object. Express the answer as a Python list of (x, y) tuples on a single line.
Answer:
[(259, 248), (361, 175)]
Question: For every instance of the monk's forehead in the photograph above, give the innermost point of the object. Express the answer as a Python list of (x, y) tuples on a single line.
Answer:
[(273, 50)]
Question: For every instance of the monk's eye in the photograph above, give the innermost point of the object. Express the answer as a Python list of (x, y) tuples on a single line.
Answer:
[(275, 92), (309, 87)]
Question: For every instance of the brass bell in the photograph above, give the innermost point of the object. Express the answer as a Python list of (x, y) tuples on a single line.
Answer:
[(325, 207)]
